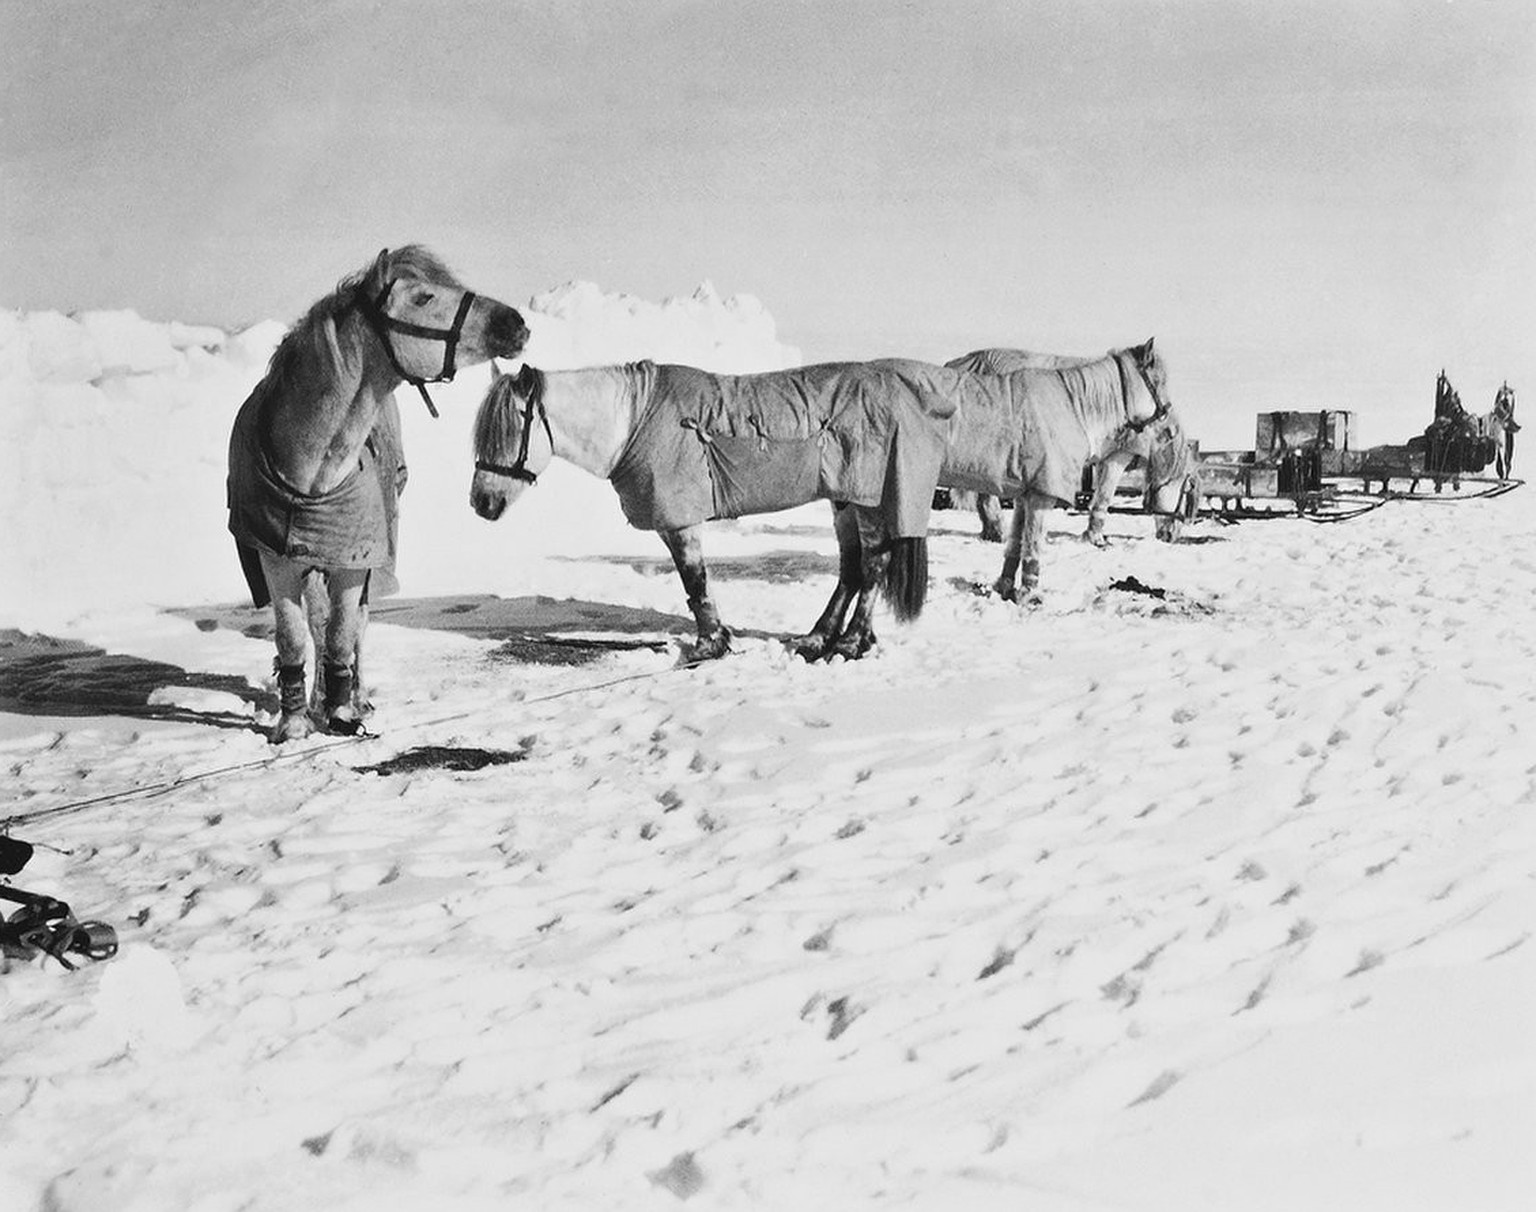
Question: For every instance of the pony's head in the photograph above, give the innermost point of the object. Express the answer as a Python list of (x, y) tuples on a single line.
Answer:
[(427, 321), (1172, 469), (513, 442), (1153, 376), (1172, 492)]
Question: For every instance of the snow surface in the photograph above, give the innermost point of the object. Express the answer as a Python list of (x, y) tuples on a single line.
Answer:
[(1221, 900)]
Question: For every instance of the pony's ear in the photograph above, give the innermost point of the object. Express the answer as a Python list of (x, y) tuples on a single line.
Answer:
[(1147, 348), (495, 370), (527, 380), (379, 274)]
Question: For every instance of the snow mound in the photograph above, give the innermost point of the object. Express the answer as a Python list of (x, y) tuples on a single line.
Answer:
[(580, 324), (115, 430)]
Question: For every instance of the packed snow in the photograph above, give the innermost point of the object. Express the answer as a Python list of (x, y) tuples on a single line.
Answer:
[(1216, 899)]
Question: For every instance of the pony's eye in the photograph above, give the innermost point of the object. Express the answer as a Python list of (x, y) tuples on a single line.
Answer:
[(421, 298)]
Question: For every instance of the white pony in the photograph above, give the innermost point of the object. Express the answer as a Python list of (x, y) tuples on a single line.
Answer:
[(1031, 432), (1135, 446), (315, 463)]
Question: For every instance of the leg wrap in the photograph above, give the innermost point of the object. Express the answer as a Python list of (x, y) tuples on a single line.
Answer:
[(290, 689), (338, 687), (705, 615)]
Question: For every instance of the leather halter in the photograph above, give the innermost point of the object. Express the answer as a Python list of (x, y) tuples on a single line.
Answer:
[(531, 381), (1188, 507), (1160, 407), (383, 324)]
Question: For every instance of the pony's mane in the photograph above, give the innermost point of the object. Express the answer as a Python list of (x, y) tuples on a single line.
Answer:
[(496, 423), (309, 357), (998, 361)]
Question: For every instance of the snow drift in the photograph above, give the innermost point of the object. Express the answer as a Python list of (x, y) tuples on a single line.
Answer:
[(115, 428)]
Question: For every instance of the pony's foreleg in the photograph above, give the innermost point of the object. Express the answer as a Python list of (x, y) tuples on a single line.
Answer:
[(1035, 510), (343, 633), (317, 611), (1026, 541), (990, 510), (285, 582), (1106, 479), (714, 638), (1012, 549), (317, 602), (815, 644)]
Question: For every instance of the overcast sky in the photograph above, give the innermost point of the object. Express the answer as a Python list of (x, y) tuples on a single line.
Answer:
[(1309, 204)]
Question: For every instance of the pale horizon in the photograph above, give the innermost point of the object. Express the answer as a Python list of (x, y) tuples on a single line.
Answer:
[(1313, 205)]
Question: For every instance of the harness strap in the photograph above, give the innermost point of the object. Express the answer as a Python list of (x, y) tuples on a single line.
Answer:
[(532, 380), (1159, 408), (383, 323)]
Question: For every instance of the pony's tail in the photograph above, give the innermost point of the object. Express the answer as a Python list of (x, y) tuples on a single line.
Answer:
[(906, 578)]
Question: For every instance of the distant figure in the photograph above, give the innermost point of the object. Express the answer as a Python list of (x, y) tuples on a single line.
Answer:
[(1448, 402), (1502, 427)]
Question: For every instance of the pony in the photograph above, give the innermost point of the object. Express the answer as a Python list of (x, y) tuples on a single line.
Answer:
[(682, 446), (316, 463), (1105, 473), (1054, 420)]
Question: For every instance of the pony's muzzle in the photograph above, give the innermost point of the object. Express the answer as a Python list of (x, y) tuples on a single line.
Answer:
[(505, 332), (488, 503)]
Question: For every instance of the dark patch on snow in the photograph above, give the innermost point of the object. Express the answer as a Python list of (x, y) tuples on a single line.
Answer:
[(567, 650), (441, 757)]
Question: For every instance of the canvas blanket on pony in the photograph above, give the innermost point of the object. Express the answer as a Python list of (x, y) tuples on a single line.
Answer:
[(724, 446), (1026, 431), (355, 525)]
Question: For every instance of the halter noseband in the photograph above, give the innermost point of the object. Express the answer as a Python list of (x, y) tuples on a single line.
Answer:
[(383, 323), (533, 384)]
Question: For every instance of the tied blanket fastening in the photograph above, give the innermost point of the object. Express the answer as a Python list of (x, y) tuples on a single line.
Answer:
[(722, 446), (354, 525)]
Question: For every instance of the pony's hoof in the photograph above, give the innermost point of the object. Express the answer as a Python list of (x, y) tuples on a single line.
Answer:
[(1005, 590), (292, 727), (809, 648), (991, 534), (343, 723), (851, 647), (711, 647)]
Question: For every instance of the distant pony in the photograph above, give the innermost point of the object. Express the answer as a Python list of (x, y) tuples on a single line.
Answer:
[(1106, 472), (316, 464), (682, 446)]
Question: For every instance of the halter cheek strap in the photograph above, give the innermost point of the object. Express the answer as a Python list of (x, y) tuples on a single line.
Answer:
[(1159, 405), (518, 469), (1189, 498), (383, 324)]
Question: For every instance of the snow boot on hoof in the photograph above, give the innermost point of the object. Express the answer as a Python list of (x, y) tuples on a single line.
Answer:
[(293, 721), (341, 714)]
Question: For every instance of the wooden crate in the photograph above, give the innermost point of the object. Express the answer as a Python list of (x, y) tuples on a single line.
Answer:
[(1331, 429), (1238, 480)]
